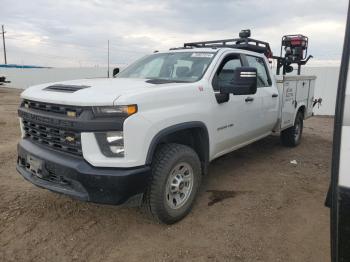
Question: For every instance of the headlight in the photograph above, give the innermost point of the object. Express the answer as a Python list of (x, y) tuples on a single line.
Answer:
[(111, 143), (109, 111)]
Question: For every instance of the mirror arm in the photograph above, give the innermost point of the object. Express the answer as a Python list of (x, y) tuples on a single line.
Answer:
[(115, 71), (222, 98)]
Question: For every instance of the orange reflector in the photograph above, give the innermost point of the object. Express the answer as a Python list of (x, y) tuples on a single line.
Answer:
[(131, 109)]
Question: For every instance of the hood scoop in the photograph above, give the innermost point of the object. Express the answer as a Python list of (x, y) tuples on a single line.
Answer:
[(65, 88)]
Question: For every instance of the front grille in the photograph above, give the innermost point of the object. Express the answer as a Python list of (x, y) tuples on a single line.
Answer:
[(57, 138), (54, 108)]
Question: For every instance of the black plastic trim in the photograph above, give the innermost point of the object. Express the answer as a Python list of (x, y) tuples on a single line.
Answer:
[(85, 182), (104, 146), (172, 129), (86, 122), (223, 98), (51, 107), (65, 88), (245, 43)]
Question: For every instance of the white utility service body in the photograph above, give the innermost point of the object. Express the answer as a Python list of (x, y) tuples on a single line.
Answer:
[(295, 91), (163, 109)]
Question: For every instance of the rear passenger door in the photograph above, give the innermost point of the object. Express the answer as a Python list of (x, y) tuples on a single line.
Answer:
[(267, 91)]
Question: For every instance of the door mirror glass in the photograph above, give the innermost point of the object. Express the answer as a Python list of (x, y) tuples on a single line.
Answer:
[(115, 71), (244, 82)]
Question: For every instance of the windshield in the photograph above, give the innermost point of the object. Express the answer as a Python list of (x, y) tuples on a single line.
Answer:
[(170, 67)]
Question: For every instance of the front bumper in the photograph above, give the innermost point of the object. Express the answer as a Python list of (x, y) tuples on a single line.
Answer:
[(73, 176)]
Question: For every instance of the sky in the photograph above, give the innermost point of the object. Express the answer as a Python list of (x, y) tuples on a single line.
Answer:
[(74, 33)]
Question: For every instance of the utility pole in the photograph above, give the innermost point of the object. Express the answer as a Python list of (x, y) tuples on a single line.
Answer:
[(108, 61), (3, 41)]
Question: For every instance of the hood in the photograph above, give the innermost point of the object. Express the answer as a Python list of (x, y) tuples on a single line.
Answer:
[(86, 92)]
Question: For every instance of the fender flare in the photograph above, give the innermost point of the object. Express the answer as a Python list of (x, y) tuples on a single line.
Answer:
[(298, 108), (174, 128)]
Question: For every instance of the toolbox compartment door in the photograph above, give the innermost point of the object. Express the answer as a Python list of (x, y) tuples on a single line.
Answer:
[(288, 103), (302, 91), (297, 90)]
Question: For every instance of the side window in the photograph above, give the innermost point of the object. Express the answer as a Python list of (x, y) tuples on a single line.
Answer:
[(259, 64), (226, 70)]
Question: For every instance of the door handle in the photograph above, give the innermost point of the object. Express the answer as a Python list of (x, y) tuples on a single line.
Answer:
[(249, 99), (274, 95)]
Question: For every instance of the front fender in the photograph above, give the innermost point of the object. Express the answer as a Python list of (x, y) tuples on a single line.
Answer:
[(174, 128)]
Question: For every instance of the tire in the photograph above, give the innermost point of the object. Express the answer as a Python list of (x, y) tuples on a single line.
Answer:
[(291, 136), (176, 178)]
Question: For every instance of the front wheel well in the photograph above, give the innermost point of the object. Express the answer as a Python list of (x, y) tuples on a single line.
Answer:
[(194, 136)]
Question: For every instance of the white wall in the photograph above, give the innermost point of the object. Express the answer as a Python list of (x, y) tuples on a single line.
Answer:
[(326, 87), (25, 77), (326, 83)]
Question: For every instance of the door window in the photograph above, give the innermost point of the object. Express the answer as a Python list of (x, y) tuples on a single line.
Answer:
[(226, 70), (263, 75)]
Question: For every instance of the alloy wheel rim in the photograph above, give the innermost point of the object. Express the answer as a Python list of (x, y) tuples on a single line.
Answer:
[(179, 185)]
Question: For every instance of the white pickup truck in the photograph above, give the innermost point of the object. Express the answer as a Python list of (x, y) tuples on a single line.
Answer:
[(148, 135)]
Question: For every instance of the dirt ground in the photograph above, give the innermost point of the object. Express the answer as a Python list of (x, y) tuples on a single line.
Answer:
[(253, 206)]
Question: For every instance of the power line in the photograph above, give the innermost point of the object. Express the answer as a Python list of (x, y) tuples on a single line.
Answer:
[(3, 42), (108, 61)]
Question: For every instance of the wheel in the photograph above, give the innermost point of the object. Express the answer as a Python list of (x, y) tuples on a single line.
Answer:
[(176, 177), (291, 136)]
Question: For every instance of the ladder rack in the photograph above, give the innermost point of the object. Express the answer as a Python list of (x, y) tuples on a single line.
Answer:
[(245, 43), (295, 49)]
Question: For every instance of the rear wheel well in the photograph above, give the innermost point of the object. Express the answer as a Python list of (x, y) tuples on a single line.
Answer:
[(194, 137), (302, 109)]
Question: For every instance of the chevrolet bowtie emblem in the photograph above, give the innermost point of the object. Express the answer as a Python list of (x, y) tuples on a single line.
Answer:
[(71, 113), (70, 138)]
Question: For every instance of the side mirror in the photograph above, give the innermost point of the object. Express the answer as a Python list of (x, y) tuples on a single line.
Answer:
[(244, 82), (115, 71)]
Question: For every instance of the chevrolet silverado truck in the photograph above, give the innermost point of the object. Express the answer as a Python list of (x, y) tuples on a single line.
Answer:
[(147, 136)]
